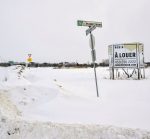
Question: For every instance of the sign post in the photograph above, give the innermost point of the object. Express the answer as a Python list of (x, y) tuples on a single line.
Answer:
[(29, 59), (93, 52), (92, 26), (89, 23)]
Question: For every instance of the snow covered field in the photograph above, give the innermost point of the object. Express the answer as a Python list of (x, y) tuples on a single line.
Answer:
[(46, 103)]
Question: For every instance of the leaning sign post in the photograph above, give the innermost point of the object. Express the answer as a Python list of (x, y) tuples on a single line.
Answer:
[(92, 26)]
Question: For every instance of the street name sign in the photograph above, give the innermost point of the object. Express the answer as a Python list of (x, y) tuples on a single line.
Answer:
[(90, 29), (89, 23)]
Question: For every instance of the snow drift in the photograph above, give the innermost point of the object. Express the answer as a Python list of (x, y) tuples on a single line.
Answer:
[(11, 129), (46, 103)]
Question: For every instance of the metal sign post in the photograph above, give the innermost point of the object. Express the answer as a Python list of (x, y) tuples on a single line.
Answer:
[(93, 52), (29, 59), (92, 25)]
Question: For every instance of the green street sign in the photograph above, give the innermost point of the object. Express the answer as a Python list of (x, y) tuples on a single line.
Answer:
[(79, 23), (89, 23)]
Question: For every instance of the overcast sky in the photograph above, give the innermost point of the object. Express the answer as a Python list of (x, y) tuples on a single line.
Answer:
[(48, 30)]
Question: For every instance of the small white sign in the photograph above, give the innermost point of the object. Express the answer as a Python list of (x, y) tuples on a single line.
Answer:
[(92, 41)]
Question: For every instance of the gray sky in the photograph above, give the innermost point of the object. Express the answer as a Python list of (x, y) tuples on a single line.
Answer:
[(47, 28)]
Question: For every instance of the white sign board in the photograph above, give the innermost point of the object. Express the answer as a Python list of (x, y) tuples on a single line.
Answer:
[(92, 41), (126, 55)]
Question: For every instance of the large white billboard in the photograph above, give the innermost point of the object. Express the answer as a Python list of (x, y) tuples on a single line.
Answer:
[(126, 55)]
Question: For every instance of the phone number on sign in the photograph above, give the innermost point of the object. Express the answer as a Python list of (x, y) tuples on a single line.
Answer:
[(125, 61)]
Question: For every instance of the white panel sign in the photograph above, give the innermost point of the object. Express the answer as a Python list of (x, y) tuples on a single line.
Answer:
[(92, 41), (125, 55)]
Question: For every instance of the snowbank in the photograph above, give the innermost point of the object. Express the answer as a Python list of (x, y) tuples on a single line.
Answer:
[(46, 103), (25, 130)]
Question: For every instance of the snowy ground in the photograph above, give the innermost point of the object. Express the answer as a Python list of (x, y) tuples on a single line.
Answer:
[(46, 103)]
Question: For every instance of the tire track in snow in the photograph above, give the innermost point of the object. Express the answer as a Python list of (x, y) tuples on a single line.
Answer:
[(7, 107)]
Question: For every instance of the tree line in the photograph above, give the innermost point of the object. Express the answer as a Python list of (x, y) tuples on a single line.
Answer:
[(54, 65), (104, 63)]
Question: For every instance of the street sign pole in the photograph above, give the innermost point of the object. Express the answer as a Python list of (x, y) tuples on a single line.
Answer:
[(92, 26), (93, 59)]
